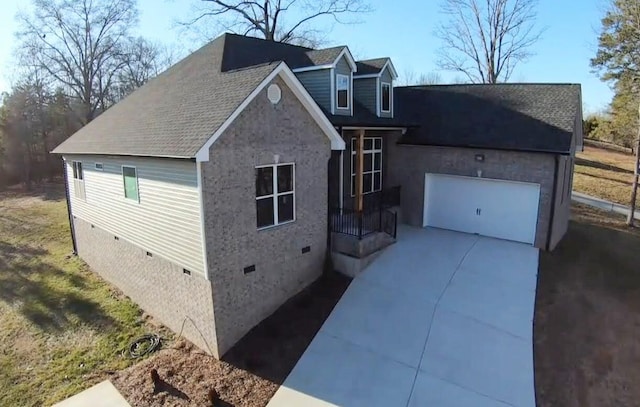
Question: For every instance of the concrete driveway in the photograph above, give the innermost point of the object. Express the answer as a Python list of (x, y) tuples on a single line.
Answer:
[(439, 319)]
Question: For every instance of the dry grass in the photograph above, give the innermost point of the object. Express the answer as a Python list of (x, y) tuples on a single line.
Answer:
[(604, 174), (62, 328), (587, 322)]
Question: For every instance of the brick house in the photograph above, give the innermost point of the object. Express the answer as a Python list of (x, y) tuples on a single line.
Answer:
[(216, 191)]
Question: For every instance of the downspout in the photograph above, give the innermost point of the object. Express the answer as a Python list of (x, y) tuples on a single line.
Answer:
[(72, 228), (553, 202)]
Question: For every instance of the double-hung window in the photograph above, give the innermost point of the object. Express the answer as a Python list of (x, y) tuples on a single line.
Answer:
[(130, 181), (372, 165), (342, 91), (275, 194), (385, 104), (78, 180)]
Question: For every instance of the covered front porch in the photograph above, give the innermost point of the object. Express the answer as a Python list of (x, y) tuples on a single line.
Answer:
[(363, 207)]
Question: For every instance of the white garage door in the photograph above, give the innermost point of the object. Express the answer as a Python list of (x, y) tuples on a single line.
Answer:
[(496, 208)]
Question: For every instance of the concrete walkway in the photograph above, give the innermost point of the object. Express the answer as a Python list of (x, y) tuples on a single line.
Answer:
[(101, 395), (439, 319), (602, 204)]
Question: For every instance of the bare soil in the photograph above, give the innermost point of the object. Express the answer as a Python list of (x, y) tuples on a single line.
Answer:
[(250, 373), (587, 320)]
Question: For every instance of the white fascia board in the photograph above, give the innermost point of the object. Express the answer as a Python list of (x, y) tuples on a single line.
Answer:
[(313, 68), (301, 93), (337, 143), (203, 234), (370, 75), (347, 54), (387, 65), (392, 69)]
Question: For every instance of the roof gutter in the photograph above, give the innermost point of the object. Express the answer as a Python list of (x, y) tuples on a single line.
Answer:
[(553, 202), (400, 143)]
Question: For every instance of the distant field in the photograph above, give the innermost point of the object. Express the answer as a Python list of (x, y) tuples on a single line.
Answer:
[(604, 174)]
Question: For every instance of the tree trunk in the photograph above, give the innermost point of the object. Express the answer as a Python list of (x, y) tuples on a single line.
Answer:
[(634, 190)]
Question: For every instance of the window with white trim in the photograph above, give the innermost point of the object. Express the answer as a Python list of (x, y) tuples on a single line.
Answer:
[(372, 168), (78, 180), (275, 194), (77, 171), (385, 96), (130, 181), (342, 91)]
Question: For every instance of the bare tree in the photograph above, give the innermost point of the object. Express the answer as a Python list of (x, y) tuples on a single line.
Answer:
[(411, 78), (278, 20), (486, 39), (80, 44)]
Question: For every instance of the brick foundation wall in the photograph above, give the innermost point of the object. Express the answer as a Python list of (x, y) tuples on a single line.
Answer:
[(155, 284)]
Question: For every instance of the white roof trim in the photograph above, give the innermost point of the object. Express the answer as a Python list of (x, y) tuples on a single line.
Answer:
[(392, 68), (313, 68), (388, 64), (301, 93), (369, 75), (352, 62)]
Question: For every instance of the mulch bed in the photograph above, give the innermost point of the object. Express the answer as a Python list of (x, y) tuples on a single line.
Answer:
[(250, 373)]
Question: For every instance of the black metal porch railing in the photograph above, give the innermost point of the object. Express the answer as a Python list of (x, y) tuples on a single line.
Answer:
[(364, 223), (385, 199), (375, 217)]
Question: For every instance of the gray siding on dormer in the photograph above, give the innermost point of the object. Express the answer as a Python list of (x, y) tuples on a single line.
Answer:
[(364, 91), (387, 78), (343, 68), (318, 84)]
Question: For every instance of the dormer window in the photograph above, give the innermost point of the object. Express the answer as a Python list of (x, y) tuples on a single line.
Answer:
[(342, 91), (385, 104)]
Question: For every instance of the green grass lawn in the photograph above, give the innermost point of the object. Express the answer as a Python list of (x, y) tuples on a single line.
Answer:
[(62, 328), (604, 174)]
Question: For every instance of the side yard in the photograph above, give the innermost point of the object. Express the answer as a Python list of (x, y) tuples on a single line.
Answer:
[(604, 174), (587, 321), (63, 329)]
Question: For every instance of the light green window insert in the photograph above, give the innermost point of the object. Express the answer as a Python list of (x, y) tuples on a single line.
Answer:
[(130, 183)]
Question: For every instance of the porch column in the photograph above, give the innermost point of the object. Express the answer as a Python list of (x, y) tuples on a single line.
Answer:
[(360, 170)]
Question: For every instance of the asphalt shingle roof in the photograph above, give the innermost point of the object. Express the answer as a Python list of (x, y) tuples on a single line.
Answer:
[(371, 66), (242, 52), (524, 117), (174, 114)]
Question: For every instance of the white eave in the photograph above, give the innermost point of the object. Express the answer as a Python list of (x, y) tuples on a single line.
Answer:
[(387, 65)]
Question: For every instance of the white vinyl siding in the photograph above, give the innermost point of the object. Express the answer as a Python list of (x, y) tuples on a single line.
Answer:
[(164, 220)]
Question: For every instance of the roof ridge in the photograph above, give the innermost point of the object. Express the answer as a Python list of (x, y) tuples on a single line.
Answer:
[(490, 84)]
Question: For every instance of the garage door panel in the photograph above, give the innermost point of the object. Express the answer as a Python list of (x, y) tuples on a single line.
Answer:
[(451, 194), (496, 208)]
